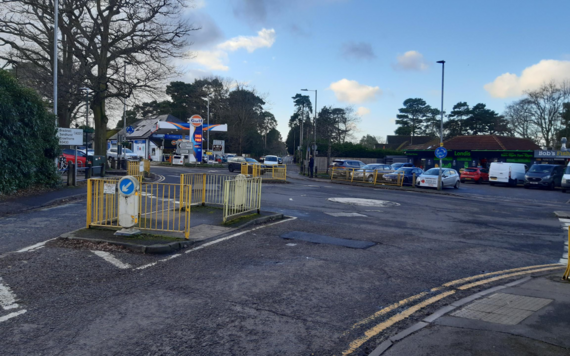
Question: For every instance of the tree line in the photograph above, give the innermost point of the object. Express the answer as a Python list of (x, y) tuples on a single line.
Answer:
[(542, 115), (251, 127)]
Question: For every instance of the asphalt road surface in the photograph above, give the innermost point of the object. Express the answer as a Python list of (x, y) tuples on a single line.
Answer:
[(270, 291)]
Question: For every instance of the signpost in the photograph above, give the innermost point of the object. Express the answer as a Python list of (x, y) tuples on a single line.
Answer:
[(71, 137), (440, 153), (196, 135), (130, 130)]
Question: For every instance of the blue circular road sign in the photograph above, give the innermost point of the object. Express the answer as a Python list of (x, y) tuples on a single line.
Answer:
[(130, 130), (128, 185), (440, 152)]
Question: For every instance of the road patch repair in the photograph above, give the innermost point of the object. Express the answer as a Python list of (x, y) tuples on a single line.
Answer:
[(327, 240), (372, 203)]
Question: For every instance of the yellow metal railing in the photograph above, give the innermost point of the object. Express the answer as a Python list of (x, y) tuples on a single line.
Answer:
[(277, 171), (135, 168), (375, 177), (147, 166), (162, 207), (206, 188), (241, 195), (567, 272)]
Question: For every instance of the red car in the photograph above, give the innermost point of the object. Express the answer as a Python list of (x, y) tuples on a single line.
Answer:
[(69, 156), (475, 174)]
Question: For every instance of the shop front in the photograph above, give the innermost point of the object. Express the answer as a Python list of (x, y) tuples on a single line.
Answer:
[(458, 159)]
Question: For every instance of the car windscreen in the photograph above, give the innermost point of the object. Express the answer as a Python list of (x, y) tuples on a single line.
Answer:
[(470, 170), (251, 160), (538, 168), (432, 172), (338, 163), (371, 166), (270, 159), (126, 150)]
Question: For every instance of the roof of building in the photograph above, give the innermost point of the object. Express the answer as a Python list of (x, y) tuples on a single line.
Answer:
[(480, 142), (143, 128), (398, 142)]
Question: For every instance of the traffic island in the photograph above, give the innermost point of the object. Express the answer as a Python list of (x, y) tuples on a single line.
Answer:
[(206, 225)]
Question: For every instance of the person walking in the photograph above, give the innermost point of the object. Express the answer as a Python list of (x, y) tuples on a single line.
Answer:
[(311, 165)]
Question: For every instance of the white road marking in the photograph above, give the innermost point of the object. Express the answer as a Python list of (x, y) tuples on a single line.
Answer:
[(155, 263), (565, 253), (347, 215), (291, 244), (12, 315), (111, 259), (34, 247), (7, 297), (373, 203)]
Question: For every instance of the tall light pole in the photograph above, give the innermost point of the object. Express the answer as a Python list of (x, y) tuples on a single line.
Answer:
[(86, 90), (55, 34), (208, 145), (441, 124)]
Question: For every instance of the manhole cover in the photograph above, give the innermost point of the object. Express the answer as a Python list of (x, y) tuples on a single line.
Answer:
[(365, 202)]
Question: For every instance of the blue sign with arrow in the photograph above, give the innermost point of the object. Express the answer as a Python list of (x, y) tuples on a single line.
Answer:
[(440, 152), (127, 186), (130, 130)]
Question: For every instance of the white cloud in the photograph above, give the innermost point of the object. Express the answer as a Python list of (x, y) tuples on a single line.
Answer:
[(361, 111), (264, 38), (511, 85), (411, 60), (351, 91), (213, 60)]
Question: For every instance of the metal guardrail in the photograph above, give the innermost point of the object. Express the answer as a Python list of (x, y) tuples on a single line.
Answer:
[(567, 272), (241, 195), (356, 175), (146, 165), (206, 188), (162, 207), (276, 171), (134, 168)]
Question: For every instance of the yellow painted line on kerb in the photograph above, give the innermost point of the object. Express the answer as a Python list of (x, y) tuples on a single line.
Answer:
[(485, 281), (370, 333), (393, 320), (463, 280)]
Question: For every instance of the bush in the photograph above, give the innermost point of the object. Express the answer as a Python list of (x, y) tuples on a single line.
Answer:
[(28, 141)]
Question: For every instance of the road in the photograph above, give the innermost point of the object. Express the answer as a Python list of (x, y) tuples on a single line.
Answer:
[(270, 291)]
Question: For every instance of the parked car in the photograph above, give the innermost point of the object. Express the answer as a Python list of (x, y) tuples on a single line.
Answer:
[(508, 173), (566, 179), (367, 172), (474, 174), (407, 172), (235, 163), (130, 155), (69, 156), (397, 166), (271, 160), (341, 166), (449, 178), (544, 175)]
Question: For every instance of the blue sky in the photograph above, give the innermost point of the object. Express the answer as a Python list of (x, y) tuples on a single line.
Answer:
[(374, 54)]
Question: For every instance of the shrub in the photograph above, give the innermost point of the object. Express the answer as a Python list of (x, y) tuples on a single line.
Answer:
[(28, 141)]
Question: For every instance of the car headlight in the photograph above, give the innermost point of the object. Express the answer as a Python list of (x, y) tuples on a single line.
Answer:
[(546, 177)]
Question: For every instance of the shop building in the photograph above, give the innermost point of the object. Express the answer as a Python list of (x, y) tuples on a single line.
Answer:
[(474, 151)]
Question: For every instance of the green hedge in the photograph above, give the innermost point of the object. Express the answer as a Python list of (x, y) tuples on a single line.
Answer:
[(28, 142), (352, 150)]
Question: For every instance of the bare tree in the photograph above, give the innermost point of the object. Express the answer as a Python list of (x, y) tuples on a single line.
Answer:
[(521, 121), (545, 105)]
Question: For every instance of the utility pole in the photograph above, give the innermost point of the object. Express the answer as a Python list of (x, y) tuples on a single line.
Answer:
[(441, 124)]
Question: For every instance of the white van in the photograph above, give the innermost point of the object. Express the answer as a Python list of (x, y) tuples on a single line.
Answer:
[(508, 173), (566, 179)]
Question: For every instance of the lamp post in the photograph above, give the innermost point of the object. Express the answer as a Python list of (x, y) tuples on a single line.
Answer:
[(55, 34), (208, 144), (86, 90), (441, 124)]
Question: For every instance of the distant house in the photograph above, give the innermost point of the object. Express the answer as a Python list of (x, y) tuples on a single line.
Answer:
[(473, 151)]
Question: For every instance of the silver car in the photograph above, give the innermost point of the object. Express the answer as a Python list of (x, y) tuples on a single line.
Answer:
[(366, 173), (449, 178)]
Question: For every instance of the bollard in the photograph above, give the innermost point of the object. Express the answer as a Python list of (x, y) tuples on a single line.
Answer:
[(103, 170), (70, 172), (315, 171), (88, 172)]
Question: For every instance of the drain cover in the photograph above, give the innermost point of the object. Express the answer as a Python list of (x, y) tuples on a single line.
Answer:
[(322, 239)]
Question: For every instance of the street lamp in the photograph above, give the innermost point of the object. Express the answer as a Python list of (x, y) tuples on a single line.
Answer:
[(86, 90), (208, 144), (441, 124), (55, 34)]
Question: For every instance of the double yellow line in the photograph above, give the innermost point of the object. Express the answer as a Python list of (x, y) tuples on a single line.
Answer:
[(377, 329)]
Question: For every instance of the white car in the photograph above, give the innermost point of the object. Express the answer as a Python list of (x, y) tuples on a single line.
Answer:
[(130, 155), (271, 160), (449, 178)]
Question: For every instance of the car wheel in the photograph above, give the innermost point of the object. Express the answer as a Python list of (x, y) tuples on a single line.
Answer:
[(462, 181), (563, 190), (526, 186), (370, 179), (492, 184), (478, 181), (551, 186), (231, 169), (456, 186)]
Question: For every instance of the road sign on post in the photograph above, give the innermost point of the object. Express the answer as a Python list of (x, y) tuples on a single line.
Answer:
[(70, 137), (130, 130), (440, 152), (128, 205)]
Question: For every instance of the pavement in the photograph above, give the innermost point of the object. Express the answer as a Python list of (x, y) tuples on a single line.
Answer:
[(529, 318), (18, 204)]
